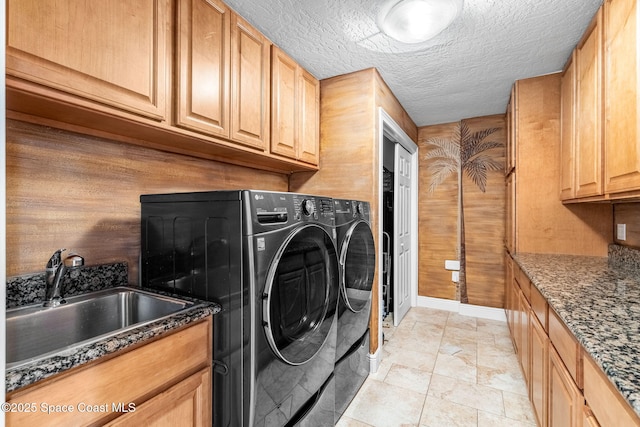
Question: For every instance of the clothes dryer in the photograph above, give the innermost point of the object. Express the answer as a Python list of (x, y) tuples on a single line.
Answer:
[(270, 260), (357, 267)]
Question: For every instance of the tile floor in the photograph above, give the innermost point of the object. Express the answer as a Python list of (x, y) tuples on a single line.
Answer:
[(442, 369)]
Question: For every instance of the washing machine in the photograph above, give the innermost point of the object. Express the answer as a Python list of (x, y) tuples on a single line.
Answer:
[(356, 250), (270, 260)]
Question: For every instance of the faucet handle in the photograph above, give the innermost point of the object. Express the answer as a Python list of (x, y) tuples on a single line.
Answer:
[(74, 260), (55, 260)]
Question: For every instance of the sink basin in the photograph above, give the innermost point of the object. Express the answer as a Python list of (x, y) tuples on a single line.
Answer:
[(34, 332)]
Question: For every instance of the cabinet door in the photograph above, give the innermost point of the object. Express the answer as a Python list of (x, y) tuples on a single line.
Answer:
[(203, 68), (295, 103), (588, 143), (510, 220), (508, 290), (524, 354), (539, 371), (511, 118), (567, 131), (250, 84), (284, 99), (187, 403), (110, 52), (309, 118), (622, 145), (565, 399)]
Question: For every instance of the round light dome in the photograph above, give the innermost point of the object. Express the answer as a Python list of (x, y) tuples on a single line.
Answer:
[(415, 21)]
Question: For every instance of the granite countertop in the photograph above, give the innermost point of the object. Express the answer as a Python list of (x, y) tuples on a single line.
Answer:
[(600, 305), (26, 290)]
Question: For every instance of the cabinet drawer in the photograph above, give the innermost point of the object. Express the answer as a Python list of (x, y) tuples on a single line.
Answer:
[(540, 307), (567, 346), (131, 377), (523, 282), (607, 404)]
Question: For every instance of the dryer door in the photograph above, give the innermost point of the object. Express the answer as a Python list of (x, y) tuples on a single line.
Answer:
[(358, 263), (301, 294)]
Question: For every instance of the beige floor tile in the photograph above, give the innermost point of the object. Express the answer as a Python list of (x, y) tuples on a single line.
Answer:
[(507, 378), (466, 366), (517, 407), (409, 378), (427, 315), (440, 413), (461, 366), (462, 322), (466, 393), (486, 419), (345, 421), (382, 405), (424, 359)]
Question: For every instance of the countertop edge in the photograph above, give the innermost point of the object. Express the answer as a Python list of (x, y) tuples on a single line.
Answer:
[(559, 307), (28, 374)]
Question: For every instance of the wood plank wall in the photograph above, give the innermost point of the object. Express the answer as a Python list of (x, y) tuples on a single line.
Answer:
[(67, 190), (544, 224), (629, 214), (350, 166), (484, 219), (437, 222)]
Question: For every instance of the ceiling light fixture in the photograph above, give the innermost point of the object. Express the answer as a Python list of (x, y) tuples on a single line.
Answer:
[(415, 21)]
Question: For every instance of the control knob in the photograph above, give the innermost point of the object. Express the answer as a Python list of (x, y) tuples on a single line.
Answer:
[(358, 209), (308, 208)]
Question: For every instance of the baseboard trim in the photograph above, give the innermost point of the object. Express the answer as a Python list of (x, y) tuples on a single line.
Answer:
[(375, 360), (464, 309)]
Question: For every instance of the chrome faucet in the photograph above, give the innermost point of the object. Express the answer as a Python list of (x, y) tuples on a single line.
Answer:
[(54, 273)]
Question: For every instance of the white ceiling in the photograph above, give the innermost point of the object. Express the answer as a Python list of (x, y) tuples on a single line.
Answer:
[(466, 71)]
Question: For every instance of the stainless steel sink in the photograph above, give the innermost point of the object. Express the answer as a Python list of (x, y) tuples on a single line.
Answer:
[(35, 332)]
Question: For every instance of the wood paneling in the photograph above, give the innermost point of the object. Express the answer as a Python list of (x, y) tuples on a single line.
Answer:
[(484, 219), (484, 222), (629, 214), (66, 190), (350, 166), (437, 222), (544, 224)]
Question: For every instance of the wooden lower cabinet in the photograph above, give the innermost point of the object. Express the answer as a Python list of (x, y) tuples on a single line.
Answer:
[(566, 387), (606, 403), (588, 419), (181, 405), (565, 399), (538, 379), (524, 354), (165, 382)]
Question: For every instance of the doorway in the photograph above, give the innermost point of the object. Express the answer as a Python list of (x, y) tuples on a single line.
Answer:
[(398, 253)]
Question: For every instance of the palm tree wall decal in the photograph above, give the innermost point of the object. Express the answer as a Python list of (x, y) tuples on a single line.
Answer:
[(464, 152)]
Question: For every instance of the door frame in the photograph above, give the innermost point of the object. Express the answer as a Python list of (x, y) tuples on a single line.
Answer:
[(387, 126)]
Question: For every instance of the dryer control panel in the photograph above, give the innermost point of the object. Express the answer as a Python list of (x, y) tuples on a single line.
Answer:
[(269, 209)]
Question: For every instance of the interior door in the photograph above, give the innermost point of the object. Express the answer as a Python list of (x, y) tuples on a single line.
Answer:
[(402, 234)]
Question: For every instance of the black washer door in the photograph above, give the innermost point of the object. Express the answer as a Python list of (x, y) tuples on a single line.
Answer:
[(301, 295), (358, 261)]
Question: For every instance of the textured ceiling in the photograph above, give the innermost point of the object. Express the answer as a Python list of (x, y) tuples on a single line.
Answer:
[(466, 71)]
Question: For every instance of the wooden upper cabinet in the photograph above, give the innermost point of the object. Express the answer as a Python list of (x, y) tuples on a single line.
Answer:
[(295, 102), (621, 139), (511, 118), (284, 89), (309, 113), (588, 111), (567, 130), (110, 52), (203, 66), (250, 84)]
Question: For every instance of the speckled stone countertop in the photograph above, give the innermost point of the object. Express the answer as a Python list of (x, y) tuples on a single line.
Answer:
[(600, 305), (27, 374)]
